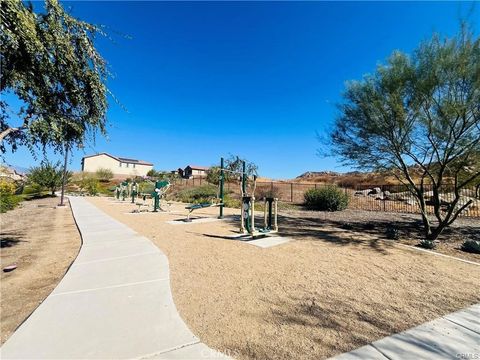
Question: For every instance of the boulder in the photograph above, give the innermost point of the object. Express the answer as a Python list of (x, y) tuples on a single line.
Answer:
[(375, 191), (363, 192)]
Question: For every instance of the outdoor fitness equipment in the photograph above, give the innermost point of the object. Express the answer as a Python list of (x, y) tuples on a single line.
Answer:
[(270, 209), (161, 188), (124, 189), (247, 213), (192, 208), (219, 202), (133, 191)]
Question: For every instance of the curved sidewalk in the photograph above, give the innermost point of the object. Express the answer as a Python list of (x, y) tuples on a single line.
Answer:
[(114, 302), (453, 336)]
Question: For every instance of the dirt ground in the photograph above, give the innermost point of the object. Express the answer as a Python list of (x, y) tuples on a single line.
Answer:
[(409, 227), (328, 291), (43, 241)]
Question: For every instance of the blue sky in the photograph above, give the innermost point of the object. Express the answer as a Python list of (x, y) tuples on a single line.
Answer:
[(205, 79)]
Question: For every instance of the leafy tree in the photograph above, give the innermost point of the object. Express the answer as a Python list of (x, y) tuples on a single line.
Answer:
[(104, 174), (213, 175), (50, 64), (419, 116), (48, 175), (162, 175), (234, 165)]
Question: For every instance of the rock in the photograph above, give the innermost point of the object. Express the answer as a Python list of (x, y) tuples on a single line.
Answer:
[(9, 268), (363, 192)]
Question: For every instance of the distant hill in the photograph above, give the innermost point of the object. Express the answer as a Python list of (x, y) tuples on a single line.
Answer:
[(351, 178)]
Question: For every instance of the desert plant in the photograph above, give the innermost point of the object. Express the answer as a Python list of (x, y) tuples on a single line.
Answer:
[(328, 198), (471, 246), (417, 117), (346, 226), (91, 186), (392, 232), (198, 194), (104, 175), (427, 244), (8, 199)]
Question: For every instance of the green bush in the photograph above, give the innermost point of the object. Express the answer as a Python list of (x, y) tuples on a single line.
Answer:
[(33, 189), (427, 244), (104, 175), (92, 186), (8, 199), (392, 232), (471, 246), (328, 198), (9, 202), (199, 194)]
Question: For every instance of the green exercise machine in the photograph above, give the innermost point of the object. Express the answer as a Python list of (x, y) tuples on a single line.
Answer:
[(247, 215), (161, 188), (133, 191)]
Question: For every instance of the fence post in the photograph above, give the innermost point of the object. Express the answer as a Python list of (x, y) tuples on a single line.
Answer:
[(315, 186), (384, 200), (291, 192)]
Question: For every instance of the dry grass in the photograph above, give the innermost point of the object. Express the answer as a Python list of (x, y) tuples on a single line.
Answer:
[(327, 292), (43, 241)]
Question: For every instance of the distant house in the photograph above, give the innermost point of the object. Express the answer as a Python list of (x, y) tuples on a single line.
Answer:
[(10, 173), (193, 170), (118, 165)]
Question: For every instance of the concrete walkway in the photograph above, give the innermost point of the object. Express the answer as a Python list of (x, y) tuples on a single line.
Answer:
[(114, 302), (454, 336)]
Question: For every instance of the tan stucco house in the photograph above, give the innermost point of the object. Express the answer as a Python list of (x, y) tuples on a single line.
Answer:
[(118, 165), (194, 170)]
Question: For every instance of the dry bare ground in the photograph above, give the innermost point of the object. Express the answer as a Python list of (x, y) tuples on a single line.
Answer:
[(43, 241), (328, 291)]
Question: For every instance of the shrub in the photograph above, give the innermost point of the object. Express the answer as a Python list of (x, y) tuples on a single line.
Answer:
[(104, 175), (33, 189), (234, 203), (392, 232), (198, 194), (8, 199), (152, 173), (9, 202), (91, 186), (7, 188), (328, 198), (427, 244), (346, 226), (471, 246)]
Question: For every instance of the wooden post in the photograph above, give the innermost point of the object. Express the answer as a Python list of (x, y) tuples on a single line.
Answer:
[(291, 192)]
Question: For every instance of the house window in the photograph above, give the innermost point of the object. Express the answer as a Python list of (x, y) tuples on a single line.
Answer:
[(127, 164), (119, 164), (134, 166)]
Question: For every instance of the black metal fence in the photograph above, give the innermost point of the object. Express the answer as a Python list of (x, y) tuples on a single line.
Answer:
[(390, 198)]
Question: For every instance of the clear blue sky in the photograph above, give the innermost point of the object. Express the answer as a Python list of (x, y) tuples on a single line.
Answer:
[(205, 79)]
